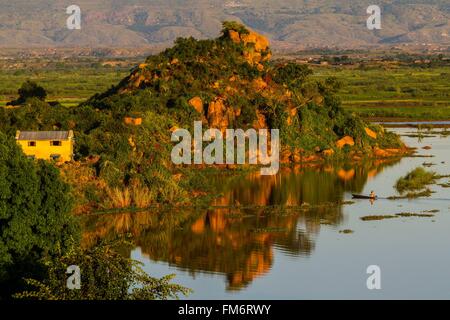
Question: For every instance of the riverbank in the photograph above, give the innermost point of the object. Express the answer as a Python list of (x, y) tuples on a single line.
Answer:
[(227, 174)]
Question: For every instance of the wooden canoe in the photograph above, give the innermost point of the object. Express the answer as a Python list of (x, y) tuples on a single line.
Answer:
[(358, 196)]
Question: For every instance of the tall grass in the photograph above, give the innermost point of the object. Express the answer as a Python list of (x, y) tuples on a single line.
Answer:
[(143, 197), (118, 198), (132, 196), (161, 189), (417, 179)]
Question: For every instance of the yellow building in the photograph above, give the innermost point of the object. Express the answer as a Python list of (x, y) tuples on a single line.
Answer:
[(48, 145)]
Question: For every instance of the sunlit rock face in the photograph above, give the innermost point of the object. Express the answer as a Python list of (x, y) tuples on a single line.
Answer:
[(256, 47)]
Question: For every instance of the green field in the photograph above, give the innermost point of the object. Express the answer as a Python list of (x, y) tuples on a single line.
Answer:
[(400, 92), (380, 91), (69, 85)]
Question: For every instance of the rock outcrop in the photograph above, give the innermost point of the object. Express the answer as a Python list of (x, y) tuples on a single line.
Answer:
[(347, 140), (230, 83), (197, 104), (371, 133), (256, 47)]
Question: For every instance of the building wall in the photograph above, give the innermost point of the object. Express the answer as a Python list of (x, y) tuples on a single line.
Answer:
[(43, 149)]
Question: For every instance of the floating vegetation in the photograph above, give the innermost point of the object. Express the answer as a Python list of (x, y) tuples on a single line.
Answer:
[(443, 133), (432, 211), (407, 214), (428, 164), (419, 156), (346, 231), (377, 217), (445, 185), (425, 126), (347, 202), (235, 209), (413, 195), (274, 229), (238, 215), (415, 180), (397, 215), (420, 136)]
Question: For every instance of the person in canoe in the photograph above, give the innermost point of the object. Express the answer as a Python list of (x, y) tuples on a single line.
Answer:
[(373, 197)]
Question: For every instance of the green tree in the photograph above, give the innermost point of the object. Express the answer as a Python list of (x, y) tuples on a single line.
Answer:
[(105, 274), (29, 89), (235, 26), (291, 74), (35, 219)]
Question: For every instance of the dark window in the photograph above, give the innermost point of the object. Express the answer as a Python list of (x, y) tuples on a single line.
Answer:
[(55, 143), (32, 143), (55, 157)]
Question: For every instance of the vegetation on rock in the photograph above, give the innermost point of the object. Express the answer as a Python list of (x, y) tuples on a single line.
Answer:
[(228, 82)]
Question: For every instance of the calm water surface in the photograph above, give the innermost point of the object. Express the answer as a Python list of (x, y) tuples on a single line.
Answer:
[(281, 240)]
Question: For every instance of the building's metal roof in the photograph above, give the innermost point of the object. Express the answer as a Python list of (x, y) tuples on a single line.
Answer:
[(44, 135)]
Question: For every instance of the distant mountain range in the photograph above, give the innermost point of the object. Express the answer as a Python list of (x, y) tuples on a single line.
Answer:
[(289, 24)]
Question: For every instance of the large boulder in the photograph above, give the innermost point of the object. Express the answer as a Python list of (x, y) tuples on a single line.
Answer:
[(257, 47), (347, 140), (197, 104), (371, 133)]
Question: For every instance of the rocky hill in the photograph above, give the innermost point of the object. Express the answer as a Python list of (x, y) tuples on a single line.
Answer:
[(123, 136), (289, 24), (230, 82)]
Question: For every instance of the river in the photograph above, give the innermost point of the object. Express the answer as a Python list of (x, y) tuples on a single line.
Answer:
[(282, 237)]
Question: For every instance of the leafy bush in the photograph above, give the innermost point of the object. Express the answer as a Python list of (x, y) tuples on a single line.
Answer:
[(29, 89), (105, 275), (235, 26), (291, 74), (35, 215), (417, 179)]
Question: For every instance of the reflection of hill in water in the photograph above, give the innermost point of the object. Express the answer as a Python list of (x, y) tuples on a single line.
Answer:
[(237, 234)]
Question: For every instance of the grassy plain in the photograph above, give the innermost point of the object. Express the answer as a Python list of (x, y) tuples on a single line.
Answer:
[(401, 92), (374, 91), (67, 82)]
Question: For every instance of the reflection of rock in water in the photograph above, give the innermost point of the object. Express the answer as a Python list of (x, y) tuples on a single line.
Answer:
[(238, 241)]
